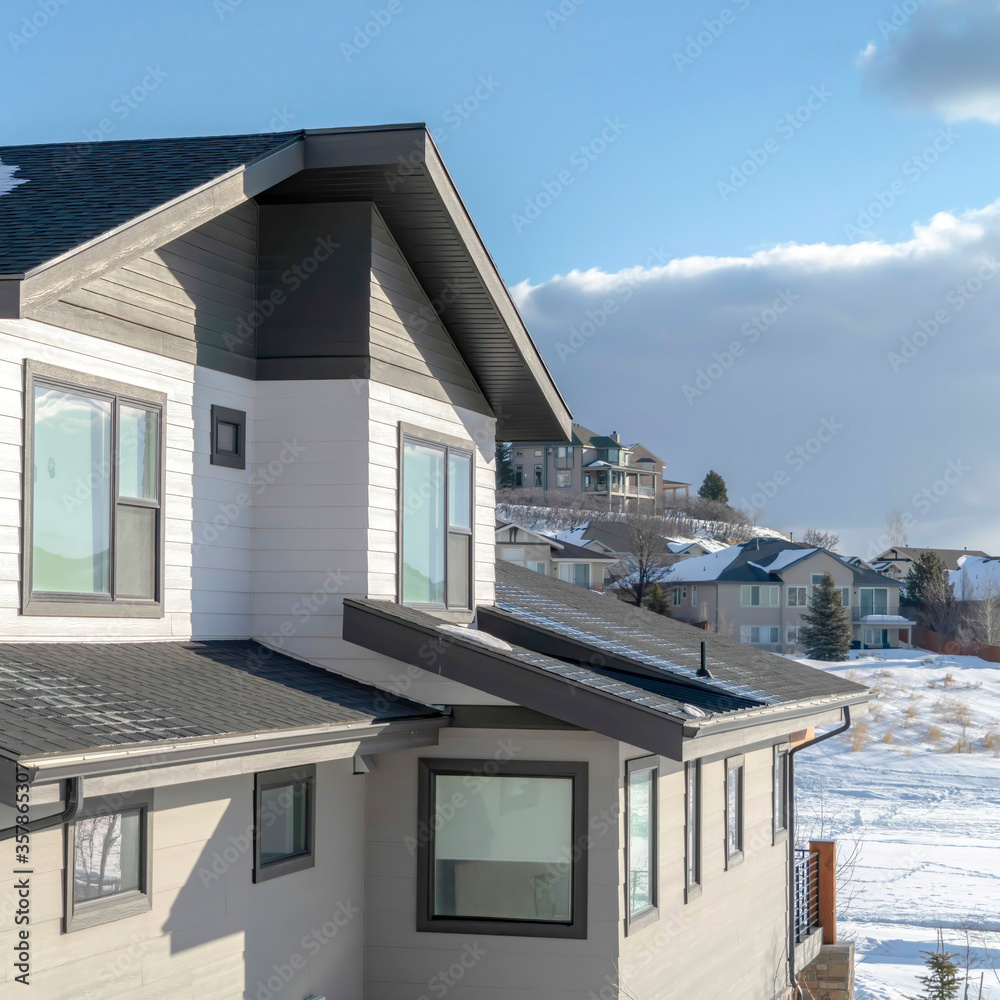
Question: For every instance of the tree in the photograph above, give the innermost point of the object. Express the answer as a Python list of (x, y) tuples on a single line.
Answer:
[(821, 539), (979, 609), (826, 631), (939, 611), (941, 983), (657, 602), (924, 573), (644, 541), (505, 468), (895, 531), (714, 488)]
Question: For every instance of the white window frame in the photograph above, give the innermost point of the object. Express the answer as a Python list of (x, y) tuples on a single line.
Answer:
[(641, 918), (801, 597), (773, 595), (735, 768)]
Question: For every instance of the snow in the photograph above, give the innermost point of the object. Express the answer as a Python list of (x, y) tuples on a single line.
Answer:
[(977, 578), (920, 798), (886, 620), (7, 179), (700, 567), (708, 544), (784, 559)]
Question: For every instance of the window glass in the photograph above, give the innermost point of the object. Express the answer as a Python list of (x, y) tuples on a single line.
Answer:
[(71, 496), (641, 846), (503, 853), (734, 809), (458, 570), (138, 452), (537, 567), (459, 490), (692, 822), (780, 790), (564, 478), (135, 552), (284, 822), (107, 855), (226, 437), (423, 523)]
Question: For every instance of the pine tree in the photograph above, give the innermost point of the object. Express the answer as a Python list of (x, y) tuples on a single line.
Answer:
[(657, 601), (505, 469), (714, 488), (826, 631), (942, 982), (926, 574)]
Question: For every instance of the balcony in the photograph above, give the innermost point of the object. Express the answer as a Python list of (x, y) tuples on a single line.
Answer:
[(884, 615)]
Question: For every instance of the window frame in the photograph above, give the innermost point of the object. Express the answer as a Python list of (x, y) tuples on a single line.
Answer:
[(746, 595), (92, 912), (692, 818), (304, 774), (738, 765), (44, 603), (651, 913), (801, 596), (428, 768), (448, 443), (779, 793), (229, 459)]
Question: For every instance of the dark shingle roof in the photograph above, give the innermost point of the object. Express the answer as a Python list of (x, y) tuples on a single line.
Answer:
[(571, 551), (58, 697), (632, 633), (68, 193)]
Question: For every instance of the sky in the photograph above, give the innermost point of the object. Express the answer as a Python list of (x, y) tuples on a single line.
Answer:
[(757, 237)]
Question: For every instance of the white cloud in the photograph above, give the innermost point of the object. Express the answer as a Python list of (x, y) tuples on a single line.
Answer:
[(734, 363), (943, 58), (7, 179)]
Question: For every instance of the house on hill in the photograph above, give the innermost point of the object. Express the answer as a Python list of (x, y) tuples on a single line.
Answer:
[(583, 567), (897, 561)]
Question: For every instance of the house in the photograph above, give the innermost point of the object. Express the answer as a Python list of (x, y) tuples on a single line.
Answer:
[(896, 561), (273, 720), (758, 592), (977, 578), (600, 467), (583, 567), (614, 538)]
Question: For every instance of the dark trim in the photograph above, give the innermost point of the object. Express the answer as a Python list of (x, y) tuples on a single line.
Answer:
[(578, 771), (736, 763), (96, 606), (504, 717), (236, 459), (692, 886), (128, 904), (304, 775), (10, 297), (72, 798), (652, 913)]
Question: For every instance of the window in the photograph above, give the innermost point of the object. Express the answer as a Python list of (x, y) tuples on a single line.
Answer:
[(229, 430), (792, 636), (734, 811), (436, 522), (564, 478), (502, 847), (283, 821), (754, 596), (692, 830), (641, 840), (564, 458), (512, 554), (108, 871), (538, 475), (680, 594), (764, 633), (798, 597), (780, 791), (694, 597), (877, 637), (845, 592), (537, 567), (518, 475), (874, 601), (92, 496), (576, 573)]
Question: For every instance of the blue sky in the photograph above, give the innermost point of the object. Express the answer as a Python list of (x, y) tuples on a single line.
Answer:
[(598, 137)]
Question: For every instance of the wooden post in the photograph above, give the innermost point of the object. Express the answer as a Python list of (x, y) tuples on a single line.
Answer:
[(827, 851)]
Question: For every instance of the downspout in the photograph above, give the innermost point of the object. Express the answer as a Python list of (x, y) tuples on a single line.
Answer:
[(791, 840), (74, 798)]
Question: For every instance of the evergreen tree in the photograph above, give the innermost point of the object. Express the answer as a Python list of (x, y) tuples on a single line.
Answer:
[(657, 601), (826, 631), (714, 488), (926, 575), (941, 983), (505, 469)]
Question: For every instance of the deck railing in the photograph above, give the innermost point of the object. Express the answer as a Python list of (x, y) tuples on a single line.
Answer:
[(806, 893)]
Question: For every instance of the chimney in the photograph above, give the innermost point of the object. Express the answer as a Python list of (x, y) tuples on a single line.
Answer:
[(615, 437)]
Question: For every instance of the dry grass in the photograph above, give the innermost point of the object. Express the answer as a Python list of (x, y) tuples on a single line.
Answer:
[(962, 746), (859, 736), (932, 684), (853, 675), (875, 712), (887, 737), (953, 710), (991, 741), (949, 681), (934, 733), (910, 715)]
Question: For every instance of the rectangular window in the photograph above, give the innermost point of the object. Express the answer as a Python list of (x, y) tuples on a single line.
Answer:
[(108, 873), (641, 840), (798, 597), (92, 496), (845, 597), (874, 600), (436, 522), (752, 596), (694, 597), (764, 633), (229, 432), (792, 636), (284, 823), (512, 554), (537, 567), (780, 791), (734, 811), (576, 573), (538, 475), (680, 595), (692, 829), (564, 478), (564, 458), (504, 847)]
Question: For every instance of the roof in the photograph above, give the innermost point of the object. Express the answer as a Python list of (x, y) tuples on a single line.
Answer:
[(84, 208), (977, 579), (567, 550), (904, 553), (57, 698)]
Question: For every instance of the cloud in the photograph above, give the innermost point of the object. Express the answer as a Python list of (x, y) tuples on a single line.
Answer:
[(943, 58), (743, 364)]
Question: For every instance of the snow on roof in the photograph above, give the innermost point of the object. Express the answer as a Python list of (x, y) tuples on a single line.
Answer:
[(708, 567), (708, 544), (886, 620), (977, 578), (784, 559), (7, 179), (572, 535)]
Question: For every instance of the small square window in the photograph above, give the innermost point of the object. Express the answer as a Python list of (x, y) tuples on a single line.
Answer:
[(229, 428), (284, 813)]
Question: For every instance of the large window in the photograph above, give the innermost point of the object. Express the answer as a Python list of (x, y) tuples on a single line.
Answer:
[(436, 522), (641, 840), (734, 810), (92, 496), (564, 478), (692, 829), (576, 573), (284, 823), (780, 791), (798, 597), (108, 868), (760, 596), (680, 596), (761, 633), (874, 600), (502, 847)]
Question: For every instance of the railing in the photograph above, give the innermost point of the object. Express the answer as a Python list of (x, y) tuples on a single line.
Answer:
[(857, 613), (806, 893)]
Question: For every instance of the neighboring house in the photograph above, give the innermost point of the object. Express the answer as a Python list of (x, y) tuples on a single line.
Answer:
[(976, 579), (896, 562), (614, 538), (583, 567), (758, 591), (592, 465), (282, 724)]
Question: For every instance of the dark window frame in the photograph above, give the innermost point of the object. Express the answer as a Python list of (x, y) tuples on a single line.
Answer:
[(92, 912), (229, 459), (64, 605), (649, 915), (736, 764), (692, 818), (779, 794), (303, 775), (428, 769)]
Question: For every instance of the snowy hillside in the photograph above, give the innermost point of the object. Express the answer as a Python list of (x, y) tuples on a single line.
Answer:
[(915, 788)]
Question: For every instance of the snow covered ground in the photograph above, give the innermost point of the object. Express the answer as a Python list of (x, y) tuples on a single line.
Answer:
[(914, 790)]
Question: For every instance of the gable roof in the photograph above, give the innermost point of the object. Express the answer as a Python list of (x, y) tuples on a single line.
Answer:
[(950, 557)]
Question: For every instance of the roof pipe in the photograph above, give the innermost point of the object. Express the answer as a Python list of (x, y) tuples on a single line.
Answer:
[(791, 840), (74, 798)]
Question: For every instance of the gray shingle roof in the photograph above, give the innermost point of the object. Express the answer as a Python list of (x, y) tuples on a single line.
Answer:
[(68, 193), (59, 697)]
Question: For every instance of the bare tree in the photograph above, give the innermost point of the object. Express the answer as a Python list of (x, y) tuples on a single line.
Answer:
[(645, 541), (821, 539), (895, 532), (979, 606), (940, 610)]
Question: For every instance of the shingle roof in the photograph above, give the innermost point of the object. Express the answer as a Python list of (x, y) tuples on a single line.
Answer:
[(571, 551), (68, 193), (59, 697)]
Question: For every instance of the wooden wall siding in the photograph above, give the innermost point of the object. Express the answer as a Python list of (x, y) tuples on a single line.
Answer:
[(185, 300)]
